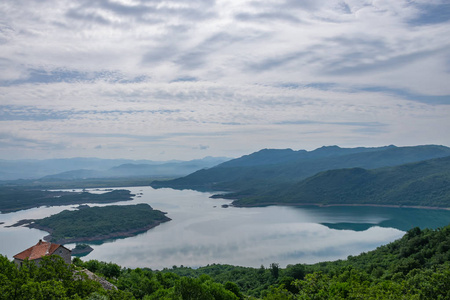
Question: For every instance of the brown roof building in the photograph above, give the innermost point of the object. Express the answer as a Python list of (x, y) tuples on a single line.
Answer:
[(36, 252)]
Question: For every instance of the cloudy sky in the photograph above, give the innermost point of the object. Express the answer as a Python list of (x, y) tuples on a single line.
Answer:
[(184, 79)]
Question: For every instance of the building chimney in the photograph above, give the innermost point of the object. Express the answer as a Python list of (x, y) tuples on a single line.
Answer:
[(40, 242)]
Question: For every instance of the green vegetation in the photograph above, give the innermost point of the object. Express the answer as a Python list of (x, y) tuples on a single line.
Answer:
[(417, 266), (56, 280), (18, 198), (100, 223), (52, 280), (251, 281), (425, 183)]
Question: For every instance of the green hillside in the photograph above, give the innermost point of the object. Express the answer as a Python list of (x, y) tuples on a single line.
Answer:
[(266, 169), (425, 183)]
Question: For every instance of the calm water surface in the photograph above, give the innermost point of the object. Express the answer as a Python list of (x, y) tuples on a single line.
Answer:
[(203, 232)]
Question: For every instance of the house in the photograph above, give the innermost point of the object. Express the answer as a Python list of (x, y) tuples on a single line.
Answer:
[(36, 252)]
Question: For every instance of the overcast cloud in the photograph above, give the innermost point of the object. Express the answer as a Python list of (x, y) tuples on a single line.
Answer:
[(185, 79)]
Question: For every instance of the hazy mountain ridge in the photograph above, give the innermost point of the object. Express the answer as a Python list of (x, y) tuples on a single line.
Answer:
[(32, 168), (280, 156), (258, 172), (77, 168)]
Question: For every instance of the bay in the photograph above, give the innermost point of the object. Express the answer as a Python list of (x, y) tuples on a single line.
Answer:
[(204, 232)]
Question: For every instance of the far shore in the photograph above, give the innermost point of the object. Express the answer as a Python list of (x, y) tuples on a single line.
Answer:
[(331, 205)]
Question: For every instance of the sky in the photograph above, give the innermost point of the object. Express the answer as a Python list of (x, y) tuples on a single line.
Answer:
[(185, 79)]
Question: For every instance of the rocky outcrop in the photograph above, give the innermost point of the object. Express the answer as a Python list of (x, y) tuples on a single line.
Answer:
[(105, 283)]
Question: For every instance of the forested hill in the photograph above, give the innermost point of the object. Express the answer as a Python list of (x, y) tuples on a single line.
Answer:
[(425, 183), (269, 168)]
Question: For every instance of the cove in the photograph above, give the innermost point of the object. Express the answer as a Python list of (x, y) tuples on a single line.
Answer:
[(202, 232)]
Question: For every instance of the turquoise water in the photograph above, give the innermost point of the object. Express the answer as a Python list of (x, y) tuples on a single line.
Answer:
[(203, 232)]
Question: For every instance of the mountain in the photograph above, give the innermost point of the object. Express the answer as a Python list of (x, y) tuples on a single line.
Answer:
[(282, 156), (146, 169), (270, 168), (172, 169), (75, 174), (79, 168), (33, 169), (425, 183)]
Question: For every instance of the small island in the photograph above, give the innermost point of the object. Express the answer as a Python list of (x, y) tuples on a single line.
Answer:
[(98, 223), (82, 250)]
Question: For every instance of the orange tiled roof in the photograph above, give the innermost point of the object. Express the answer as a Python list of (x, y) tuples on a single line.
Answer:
[(37, 251)]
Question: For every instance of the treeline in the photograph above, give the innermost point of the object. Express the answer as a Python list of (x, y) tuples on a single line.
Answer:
[(417, 266), (253, 282), (53, 279)]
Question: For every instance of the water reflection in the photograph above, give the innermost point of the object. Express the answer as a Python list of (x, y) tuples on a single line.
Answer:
[(349, 226), (202, 232), (399, 218)]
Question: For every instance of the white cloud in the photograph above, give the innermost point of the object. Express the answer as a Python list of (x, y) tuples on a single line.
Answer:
[(235, 75)]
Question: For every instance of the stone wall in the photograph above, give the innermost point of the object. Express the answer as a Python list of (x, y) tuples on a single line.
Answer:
[(64, 253)]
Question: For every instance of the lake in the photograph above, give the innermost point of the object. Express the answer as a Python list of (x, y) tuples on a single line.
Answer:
[(203, 232)]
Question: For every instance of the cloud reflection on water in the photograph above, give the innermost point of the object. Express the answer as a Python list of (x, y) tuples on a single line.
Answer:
[(202, 232)]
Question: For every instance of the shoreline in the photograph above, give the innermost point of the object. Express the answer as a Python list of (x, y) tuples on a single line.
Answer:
[(350, 205), (62, 198), (99, 238)]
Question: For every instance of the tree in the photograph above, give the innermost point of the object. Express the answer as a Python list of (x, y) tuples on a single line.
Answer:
[(297, 271), (275, 270)]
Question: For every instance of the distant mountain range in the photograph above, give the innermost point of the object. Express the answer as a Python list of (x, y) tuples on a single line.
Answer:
[(82, 168), (272, 166), (330, 175)]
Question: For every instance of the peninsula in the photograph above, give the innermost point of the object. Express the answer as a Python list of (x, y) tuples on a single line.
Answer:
[(18, 198)]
